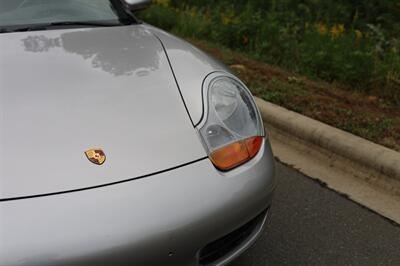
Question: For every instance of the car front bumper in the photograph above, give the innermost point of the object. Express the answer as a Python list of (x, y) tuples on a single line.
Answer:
[(178, 217)]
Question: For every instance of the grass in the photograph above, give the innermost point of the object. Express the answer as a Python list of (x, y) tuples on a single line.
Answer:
[(352, 51)]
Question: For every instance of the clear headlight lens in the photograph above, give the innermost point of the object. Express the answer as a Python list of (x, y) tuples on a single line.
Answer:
[(233, 131)]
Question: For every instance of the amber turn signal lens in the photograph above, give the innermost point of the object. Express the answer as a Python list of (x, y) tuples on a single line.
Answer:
[(235, 154)]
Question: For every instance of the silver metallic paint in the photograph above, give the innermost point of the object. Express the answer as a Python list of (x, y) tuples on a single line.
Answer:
[(191, 66), (160, 220), (66, 91)]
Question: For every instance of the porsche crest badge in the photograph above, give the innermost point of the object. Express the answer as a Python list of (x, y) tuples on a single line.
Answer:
[(96, 156)]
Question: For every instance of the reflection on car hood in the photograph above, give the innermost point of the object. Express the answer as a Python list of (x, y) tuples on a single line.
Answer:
[(63, 92)]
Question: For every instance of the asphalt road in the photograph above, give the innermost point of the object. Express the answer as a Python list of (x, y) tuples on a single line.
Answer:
[(313, 225)]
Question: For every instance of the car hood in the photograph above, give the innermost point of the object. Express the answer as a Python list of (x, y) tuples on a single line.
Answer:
[(63, 92)]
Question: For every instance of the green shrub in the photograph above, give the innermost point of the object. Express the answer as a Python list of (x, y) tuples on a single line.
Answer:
[(337, 41)]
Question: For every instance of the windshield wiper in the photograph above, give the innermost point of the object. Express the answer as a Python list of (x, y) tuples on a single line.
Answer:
[(45, 26), (24, 28), (85, 23)]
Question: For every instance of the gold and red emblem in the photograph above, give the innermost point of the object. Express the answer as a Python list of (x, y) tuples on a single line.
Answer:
[(96, 156)]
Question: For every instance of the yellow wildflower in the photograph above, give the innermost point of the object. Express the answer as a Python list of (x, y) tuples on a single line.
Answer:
[(359, 35), (337, 31), (228, 17), (341, 28), (193, 12), (164, 3), (321, 28), (226, 20)]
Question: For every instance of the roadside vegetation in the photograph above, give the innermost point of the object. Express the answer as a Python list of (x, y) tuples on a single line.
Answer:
[(336, 61)]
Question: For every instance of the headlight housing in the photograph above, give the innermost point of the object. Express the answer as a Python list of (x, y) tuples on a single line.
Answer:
[(232, 131)]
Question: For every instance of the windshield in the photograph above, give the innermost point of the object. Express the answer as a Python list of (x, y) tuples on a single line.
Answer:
[(17, 13)]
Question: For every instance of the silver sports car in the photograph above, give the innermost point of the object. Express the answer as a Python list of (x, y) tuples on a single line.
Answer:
[(121, 144)]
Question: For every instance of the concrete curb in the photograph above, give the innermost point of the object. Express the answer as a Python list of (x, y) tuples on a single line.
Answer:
[(358, 150)]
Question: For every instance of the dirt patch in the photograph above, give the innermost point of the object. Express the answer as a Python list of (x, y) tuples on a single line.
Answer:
[(367, 116)]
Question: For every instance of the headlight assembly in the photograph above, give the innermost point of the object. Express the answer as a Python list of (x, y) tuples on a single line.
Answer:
[(232, 130)]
